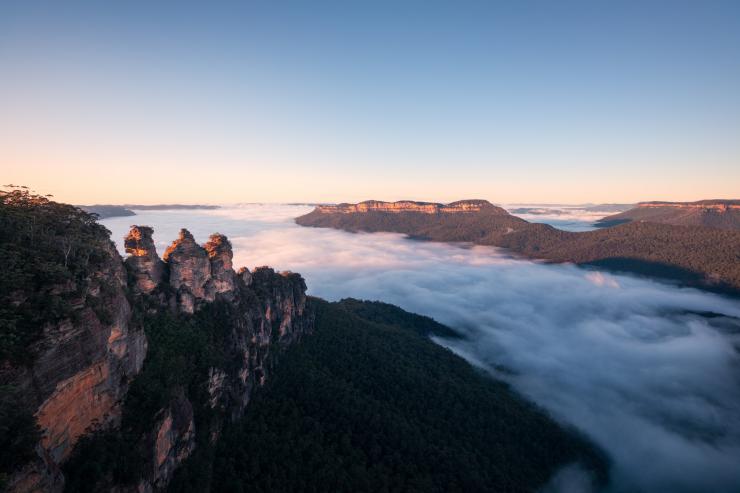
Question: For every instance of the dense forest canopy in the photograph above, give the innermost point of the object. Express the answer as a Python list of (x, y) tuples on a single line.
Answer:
[(48, 250), (369, 406)]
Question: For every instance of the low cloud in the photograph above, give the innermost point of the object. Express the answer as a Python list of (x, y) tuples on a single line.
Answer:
[(630, 362), (567, 217)]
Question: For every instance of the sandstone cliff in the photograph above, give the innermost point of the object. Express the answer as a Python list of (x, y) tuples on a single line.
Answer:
[(720, 214), (251, 316), (685, 250), (76, 373), (411, 206)]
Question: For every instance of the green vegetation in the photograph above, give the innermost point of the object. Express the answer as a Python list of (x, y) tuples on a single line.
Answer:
[(181, 350), (367, 403), (722, 214), (48, 251), (708, 258), (18, 432), (367, 406), (391, 315)]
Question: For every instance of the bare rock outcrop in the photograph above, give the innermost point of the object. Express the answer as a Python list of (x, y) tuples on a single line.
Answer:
[(461, 206), (189, 270), (81, 371), (143, 261), (223, 278), (262, 310), (195, 273)]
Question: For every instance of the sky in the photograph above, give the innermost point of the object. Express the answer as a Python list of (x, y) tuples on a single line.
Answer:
[(220, 102)]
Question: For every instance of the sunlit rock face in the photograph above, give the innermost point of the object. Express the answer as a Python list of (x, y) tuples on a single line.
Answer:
[(85, 363), (189, 270), (409, 206), (197, 273), (707, 205), (82, 370), (143, 261), (220, 255), (262, 309)]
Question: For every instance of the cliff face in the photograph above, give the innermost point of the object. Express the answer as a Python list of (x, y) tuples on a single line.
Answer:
[(410, 206), (258, 313), (143, 262), (696, 247), (85, 363), (82, 368)]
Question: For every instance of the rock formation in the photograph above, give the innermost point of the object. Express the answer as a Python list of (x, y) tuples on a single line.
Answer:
[(82, 369), (409, 206), (720, 214), (85, 363), (220, 256), (143, 261), (264, 308), (189, 270)]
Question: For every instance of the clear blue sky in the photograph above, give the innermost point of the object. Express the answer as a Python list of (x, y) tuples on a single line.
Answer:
[(551, 101)]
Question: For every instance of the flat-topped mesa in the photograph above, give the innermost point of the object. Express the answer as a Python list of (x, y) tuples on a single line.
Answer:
[(708, 205), (475, 205), (143, 262)]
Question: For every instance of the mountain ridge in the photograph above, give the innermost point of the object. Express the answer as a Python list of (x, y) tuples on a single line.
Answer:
[(714, 213), (706, 258)]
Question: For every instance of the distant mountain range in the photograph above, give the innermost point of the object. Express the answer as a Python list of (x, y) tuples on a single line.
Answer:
[(723, 214), (696, 256), (106, 210)]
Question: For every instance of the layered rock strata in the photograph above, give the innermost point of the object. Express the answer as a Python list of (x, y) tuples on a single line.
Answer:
[(82, 369), (86, 363), (264, 308), (408, 206)]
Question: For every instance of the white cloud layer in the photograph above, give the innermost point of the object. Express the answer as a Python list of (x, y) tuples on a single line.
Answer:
[(567, 217), (630, 362)]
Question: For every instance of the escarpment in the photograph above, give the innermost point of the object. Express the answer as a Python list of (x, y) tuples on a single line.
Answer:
[(69, 347), (685, 250), (151, 357), (215, 335), (474, 205)]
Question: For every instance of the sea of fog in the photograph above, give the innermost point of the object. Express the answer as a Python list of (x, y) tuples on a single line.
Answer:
[(636, 365), (566, 217)]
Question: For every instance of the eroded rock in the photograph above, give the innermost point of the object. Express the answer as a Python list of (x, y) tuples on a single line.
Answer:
[(143, 261)]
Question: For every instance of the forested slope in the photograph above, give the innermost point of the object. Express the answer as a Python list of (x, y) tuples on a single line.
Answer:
[(367, 406), (708, 258)]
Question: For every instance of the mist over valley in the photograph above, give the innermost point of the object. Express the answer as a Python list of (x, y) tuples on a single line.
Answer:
[(646, 369)]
